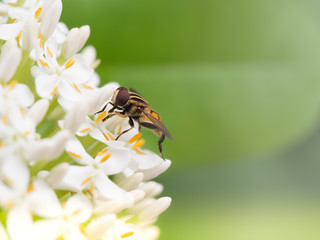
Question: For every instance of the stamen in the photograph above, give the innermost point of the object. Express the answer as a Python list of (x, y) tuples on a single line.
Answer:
[(135, 137), (86, 180), (69, 63), (43, 63), (106, 137), (48, 50), (8, 204), (59, 238), (74, 154), (26, 133), (54, 91), (76, 212), (22, 111), (110, 136), (105, 158), (119, 130), (5, 117), (76, 87), (82, 229), (92, 187), (85, 130), (127, 234), (102, 152), (13, 20), (19, 36), (139, 144), (102, 115), (13, 84), (87, 86), (38, 12), (41, 40), (12, 3), (139, 152), (30, 188), (63, 203)]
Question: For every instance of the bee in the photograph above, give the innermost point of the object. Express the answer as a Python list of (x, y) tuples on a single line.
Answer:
[(129, 103)]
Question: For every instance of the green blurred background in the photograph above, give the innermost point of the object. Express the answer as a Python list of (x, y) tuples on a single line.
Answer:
[(238, 85)]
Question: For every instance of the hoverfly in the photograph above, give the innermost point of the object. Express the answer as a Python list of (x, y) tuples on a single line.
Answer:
[(131, 104)]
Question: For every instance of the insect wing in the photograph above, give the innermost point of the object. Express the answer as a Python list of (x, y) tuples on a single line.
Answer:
[(158, 124)]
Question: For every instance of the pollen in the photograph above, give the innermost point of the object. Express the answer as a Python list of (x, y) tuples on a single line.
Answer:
[(82, 229), (86, 180), (41, 40), (74, 155), (13, 84), (87, 86), (19, 36), (76, 87), (43, 63), (139, 144), (54, 91), (102, 115), (22, 111), (127, 234), (135, 137), (48, 50), (85, 130), (13, 20), (119, 130), (76, 212), (38, 12), (106, 137), (92, 187), (69, 63), (102, 152), (105, 158), (110, 136), (30, 188)]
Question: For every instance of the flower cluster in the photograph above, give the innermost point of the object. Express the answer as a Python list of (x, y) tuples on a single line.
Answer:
[(63, 175)]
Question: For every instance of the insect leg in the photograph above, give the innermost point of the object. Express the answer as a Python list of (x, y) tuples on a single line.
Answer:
[(104, 108), (160, 145), (131, 124)]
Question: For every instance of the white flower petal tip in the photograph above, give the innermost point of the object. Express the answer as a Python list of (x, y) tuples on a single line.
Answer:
[(155, 171), (48, 148), (9, 60), (138, 195), (97, 227), (76, 116), (50, 17), (38, 110), (131, 182), (151, 188), (76, 39), (109, 207), (151, 212)]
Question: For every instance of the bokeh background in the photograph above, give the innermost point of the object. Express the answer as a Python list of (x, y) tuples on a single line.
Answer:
[(238, 85)]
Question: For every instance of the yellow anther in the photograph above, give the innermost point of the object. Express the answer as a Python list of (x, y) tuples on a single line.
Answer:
[(105, 158), (41, 40), (135, 138), (69, 63), (38, 12), (76, 87), (13, 84), (82, 229), (74, 154), (43, 63), (1, 144), (86, 180), (22, 111), (26, 133), (54, 91), (139, 144), (85, 130), (110, 136), (119, 130), (87, 86), (106, 137), (8, 204), (63, 203), (59, 238), (92, 187), (76, 212), (19, 36), (5, 117), (30, 188), (48, 50), (127, 234), (12, 3), (139, 152), (102, 115), (13, 20), (102, 152)]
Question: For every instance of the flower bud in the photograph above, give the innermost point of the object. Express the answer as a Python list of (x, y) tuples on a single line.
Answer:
[(29, 34), (50, 17), (38, 110), (9, 60), (151, 212)]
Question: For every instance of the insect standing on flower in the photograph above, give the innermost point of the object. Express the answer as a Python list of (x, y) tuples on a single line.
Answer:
[(129, 103)]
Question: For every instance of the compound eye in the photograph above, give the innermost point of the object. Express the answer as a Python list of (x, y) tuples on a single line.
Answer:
[(122, 97)]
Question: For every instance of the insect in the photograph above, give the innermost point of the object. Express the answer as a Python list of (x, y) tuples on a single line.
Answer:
[(129, 103)]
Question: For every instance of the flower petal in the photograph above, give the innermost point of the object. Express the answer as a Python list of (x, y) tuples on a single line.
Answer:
[(45, 85), (79, 208)]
